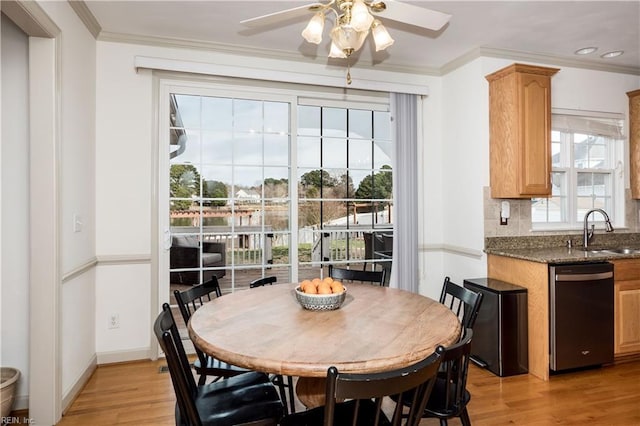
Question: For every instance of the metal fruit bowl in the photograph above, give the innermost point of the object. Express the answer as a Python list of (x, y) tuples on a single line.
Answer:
[(320, 302)]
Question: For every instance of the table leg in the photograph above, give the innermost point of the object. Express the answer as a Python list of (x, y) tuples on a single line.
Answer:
[(311, 391)]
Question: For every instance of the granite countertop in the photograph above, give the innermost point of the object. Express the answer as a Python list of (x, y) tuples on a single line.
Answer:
[(561, 254), (553, 249)]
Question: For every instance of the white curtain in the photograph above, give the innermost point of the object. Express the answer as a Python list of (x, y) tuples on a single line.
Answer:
[(405, 121)]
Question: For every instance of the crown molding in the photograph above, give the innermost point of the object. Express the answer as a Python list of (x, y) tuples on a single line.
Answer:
[(85, 15), (30, 18), (436, 72), (91, 23), (536, 58), (240, 50)]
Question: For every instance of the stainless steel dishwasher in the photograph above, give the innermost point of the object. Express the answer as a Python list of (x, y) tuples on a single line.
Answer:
[(581, 315)]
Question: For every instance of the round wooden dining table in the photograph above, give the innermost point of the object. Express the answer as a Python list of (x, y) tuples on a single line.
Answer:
[(376, 329)]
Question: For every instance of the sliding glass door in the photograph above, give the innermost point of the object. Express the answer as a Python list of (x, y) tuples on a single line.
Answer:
[(265, 182)]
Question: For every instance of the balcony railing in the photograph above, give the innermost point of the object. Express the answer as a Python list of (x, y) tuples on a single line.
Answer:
[(254, 248)]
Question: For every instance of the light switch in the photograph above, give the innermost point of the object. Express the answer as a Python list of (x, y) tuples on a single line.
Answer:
[(77, 223)]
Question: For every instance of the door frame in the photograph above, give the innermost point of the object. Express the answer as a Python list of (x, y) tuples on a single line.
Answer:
[(45, 372)]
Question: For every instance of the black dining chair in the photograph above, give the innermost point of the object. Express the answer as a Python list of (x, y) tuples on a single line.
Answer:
[(450, 397), (464, 302), (248, 398), (374, 277), (372, 243), (364, 394), (263, 281), (190, 300), (278, 379)]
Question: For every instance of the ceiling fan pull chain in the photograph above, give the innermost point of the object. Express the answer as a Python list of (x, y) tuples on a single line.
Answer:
[(348, 72)]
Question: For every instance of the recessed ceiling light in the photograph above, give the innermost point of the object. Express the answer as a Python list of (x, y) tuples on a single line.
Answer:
[(612, 54), (585, 50)]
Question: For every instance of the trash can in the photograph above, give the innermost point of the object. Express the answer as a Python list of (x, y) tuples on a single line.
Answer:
[(8, 387), (500, 341)]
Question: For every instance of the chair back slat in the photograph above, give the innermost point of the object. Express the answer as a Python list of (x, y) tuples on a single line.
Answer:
[(374, 277), (417, 378), (454, 371), (263, 281), (182, 379), (463, 302), (192, 299)]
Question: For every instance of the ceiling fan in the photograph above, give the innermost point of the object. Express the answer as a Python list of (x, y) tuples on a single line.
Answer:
[(352, 21)]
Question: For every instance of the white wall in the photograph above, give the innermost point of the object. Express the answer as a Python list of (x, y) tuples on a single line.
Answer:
[(76, 192), (431, 167), (14, 195), (124, 138), (465, 146), (123, 289)]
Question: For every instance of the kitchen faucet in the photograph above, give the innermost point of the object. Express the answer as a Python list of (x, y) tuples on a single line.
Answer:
[(587, 234)]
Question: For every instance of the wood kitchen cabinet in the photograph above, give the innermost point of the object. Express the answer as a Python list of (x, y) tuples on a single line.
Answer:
[(634, 142), (627, 306), (534, 277), (520, 131)]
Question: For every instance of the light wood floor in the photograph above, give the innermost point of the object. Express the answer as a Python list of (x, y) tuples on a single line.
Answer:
[(139, 394)]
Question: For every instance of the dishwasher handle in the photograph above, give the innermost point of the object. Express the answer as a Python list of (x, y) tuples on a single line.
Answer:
[(584, 277)]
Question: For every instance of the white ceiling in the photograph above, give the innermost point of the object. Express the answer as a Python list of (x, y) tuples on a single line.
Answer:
[(543, 30)]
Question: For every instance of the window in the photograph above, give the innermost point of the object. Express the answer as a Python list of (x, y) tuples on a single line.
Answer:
[(345, 183), (228, 188), (586, 153), (265, 182)]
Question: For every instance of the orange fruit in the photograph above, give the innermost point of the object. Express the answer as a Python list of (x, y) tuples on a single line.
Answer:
[(304, 283), (337, 287), (324, 288), (327, 280), (310, 289)]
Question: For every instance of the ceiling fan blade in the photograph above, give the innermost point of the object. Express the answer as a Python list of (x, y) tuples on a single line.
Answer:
[(282, 15), (414, 15)]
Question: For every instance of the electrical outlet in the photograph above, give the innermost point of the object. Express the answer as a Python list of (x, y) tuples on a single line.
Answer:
[(114, 321)]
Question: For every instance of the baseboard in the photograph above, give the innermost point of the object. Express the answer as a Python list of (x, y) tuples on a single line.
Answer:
[(79, 384), (620, 359), (20, 402), (113, 357)]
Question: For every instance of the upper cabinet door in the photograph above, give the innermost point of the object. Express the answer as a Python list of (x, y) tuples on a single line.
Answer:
[(520, 131), (535, 129)]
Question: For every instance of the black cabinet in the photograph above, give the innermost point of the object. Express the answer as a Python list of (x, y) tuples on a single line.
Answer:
[(500, 340)]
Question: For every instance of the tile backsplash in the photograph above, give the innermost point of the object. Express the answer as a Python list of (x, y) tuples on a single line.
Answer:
[(519, 223)]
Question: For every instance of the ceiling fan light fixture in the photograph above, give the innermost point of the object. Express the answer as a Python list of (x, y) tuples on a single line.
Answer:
[(361, 19), (351, 21), (336, 52), (381, 36), (347, 38), (313, 31)]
